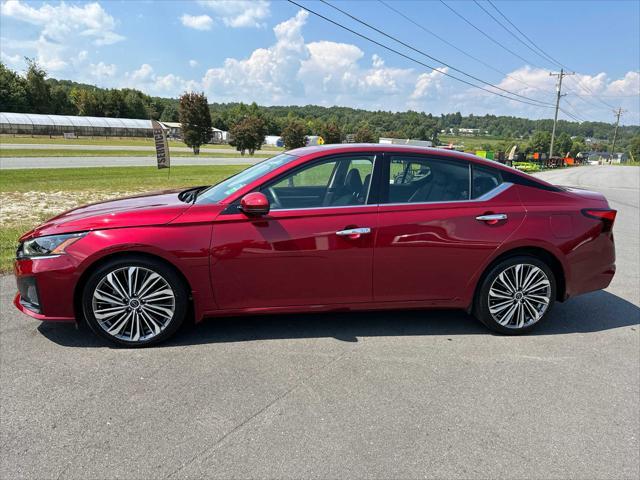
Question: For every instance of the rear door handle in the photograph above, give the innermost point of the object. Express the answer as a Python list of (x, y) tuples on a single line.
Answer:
[(492, 217), (353, 232)]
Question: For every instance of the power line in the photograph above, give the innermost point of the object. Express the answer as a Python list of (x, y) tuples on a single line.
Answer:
[(421, 52), (509, 31), (391, 49), (585, 87), (578, 81), (490, 37), (574, 111), (444, 40), (549, 57)]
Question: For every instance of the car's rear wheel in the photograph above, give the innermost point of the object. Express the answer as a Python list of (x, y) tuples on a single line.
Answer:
[(515, 295), (135, 301)]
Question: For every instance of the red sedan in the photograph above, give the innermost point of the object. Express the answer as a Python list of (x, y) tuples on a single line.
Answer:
[(340, 227)]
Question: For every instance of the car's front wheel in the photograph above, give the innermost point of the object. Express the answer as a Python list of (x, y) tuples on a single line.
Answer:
[(515, 295), (135, 301)]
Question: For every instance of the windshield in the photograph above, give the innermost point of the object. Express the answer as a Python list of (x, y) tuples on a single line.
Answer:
[(222, 190)]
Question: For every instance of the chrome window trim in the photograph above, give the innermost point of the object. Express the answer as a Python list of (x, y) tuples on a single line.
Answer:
[(487, 196)]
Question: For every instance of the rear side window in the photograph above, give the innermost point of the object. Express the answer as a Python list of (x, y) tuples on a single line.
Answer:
[(419, 179), (484, 180)]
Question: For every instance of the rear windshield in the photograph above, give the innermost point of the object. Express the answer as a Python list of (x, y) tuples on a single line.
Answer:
[(222, 190)]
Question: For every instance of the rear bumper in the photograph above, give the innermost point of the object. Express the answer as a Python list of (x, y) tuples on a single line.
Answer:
[(593, 265)]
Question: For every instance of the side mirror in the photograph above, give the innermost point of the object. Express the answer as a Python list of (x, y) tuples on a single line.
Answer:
[(255, 203)]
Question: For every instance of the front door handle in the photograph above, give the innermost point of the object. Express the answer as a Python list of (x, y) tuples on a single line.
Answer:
[(353, 232), (492, 218)]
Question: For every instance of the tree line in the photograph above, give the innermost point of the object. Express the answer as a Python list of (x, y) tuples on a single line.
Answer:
[(33, 92)]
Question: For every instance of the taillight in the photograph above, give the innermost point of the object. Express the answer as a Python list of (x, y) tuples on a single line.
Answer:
[(605, 215)]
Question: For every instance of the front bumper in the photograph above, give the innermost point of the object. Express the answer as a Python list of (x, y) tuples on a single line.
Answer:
[(46, 288)]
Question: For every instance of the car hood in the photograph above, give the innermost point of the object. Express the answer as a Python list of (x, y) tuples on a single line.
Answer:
[(157, 208)]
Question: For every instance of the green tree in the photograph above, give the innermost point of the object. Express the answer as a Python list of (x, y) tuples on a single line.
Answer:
[(562, 144), (13, 92), (294, 134), (85, 101), (38, 91), (364, 134), (331, 133), (578, 145), (60, 102), (248, 134), (135, 106), (114, 104), (169, 114), (540, 142), (634, 149), (193, 112)]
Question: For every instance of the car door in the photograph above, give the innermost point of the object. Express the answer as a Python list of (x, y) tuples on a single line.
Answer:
[(315, 247), (435, 226)]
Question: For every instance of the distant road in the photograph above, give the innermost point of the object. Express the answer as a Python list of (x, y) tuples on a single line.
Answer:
[(9, 163), (143, 148)]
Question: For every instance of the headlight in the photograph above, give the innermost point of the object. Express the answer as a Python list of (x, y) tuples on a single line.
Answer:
[(48, 245)]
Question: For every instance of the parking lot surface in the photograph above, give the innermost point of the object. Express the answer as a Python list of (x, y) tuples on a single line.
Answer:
[(367, 395)]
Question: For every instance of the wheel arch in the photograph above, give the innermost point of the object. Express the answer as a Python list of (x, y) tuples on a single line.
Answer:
[(540, 253), (99, 262)]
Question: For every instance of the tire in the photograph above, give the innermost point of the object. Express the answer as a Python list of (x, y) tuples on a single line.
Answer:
[(504, 306), (148, 313)]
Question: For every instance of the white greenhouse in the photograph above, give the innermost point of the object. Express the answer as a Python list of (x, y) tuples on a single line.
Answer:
[(37, 124)]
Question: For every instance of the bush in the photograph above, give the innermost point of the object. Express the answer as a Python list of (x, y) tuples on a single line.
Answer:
[(294, 135), (247, 133)]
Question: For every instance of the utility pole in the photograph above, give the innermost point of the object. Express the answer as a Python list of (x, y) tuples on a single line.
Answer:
[(559, 94), (617, 113)]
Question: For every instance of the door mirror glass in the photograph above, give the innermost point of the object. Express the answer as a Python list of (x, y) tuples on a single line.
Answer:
[(255, 203)]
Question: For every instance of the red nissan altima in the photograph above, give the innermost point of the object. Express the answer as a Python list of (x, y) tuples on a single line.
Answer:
[(339, 227)]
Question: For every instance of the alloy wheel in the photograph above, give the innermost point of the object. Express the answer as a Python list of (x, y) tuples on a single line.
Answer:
[(133, 303), (519, 296)]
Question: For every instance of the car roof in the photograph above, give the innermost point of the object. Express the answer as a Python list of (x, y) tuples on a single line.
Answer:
[(386, 147)]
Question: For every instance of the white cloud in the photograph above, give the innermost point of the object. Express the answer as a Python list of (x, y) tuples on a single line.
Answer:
[(64, 29), (146, 80), (628, 85), (142, 74), (197, 22), (11, 60), (239, 13), (268, 72), (427, 83), (193, 63), (102, 71), (323, 72)]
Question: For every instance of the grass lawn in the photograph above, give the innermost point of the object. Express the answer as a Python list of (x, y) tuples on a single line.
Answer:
[(124, 141), (30, 196), (23, 152), (475, 143)]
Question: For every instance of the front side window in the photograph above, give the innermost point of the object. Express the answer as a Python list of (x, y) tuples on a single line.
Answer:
[(222, 190), (333, 182), (418, 179)]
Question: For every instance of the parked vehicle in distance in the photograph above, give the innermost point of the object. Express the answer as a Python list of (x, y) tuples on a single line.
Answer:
[(320, 229)]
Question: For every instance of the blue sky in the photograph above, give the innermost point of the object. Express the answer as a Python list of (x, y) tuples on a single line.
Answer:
[(275, 53)]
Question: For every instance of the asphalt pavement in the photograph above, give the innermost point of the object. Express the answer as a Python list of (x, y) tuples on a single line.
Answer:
[(368, 395)]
